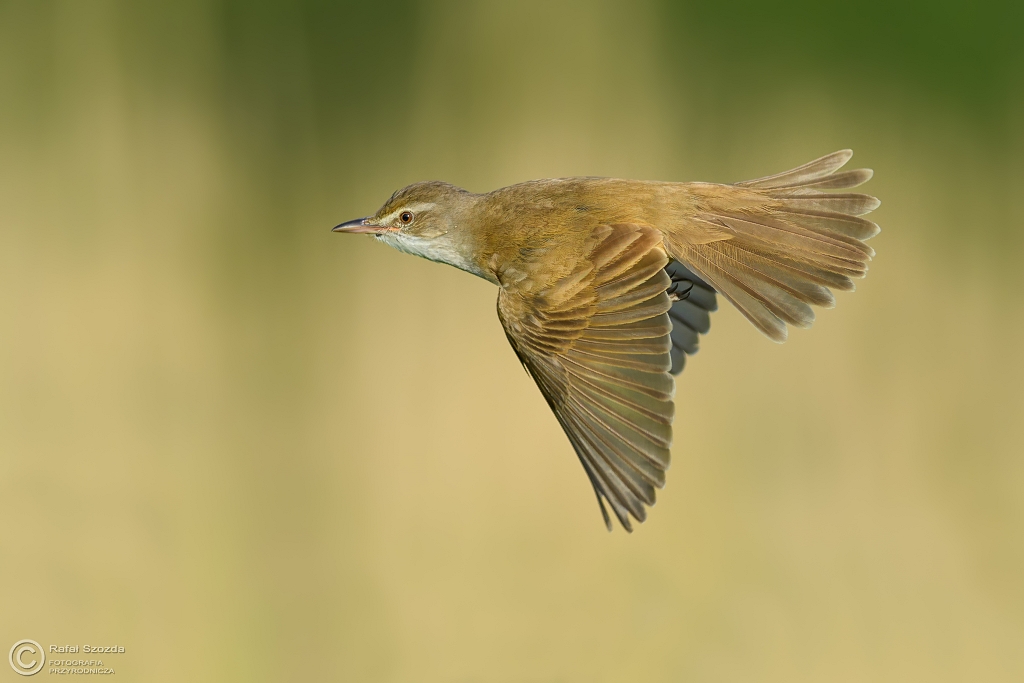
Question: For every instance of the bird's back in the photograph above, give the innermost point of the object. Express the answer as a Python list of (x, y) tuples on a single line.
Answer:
[(546, 223)]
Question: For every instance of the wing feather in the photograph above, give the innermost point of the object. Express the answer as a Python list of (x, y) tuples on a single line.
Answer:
[(690, 313), (598, 344)]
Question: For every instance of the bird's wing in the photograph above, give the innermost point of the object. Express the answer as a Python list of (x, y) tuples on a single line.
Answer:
[(598, 343), (695, 300)]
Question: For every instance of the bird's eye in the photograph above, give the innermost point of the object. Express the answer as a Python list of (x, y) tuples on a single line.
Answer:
[(406, 217)]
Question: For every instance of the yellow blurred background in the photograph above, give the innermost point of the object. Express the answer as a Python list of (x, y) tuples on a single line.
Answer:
[(246, 449)]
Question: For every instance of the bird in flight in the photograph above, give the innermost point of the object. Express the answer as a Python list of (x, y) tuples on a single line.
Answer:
[(604, 286)]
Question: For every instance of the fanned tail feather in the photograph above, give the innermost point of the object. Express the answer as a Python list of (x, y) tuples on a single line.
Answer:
[(783, 241)]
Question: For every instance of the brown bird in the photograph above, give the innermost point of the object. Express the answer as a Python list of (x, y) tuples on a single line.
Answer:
[(604, 286)]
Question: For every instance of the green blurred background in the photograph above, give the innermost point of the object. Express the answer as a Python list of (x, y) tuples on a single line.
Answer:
[(247, 449)]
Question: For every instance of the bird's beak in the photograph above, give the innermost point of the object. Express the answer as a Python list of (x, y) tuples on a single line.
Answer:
[(359, 225)]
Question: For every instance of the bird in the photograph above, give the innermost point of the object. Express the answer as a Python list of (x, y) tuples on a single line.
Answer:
[(605, 286)]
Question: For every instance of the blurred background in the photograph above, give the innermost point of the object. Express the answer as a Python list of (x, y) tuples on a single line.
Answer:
[(247, 449)]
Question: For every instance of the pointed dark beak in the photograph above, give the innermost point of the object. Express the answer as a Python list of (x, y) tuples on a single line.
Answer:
[(357, 226)]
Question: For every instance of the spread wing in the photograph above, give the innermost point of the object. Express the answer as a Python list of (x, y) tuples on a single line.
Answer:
[(598, 343), (690, 314)]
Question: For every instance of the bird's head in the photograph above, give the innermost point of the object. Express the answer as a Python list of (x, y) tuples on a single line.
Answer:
[(424, 210), (428, 219)]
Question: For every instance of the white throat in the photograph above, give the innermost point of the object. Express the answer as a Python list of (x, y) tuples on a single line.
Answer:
[(437, 249)]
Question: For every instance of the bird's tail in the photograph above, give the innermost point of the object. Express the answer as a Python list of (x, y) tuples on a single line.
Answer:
[(775, 245)]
